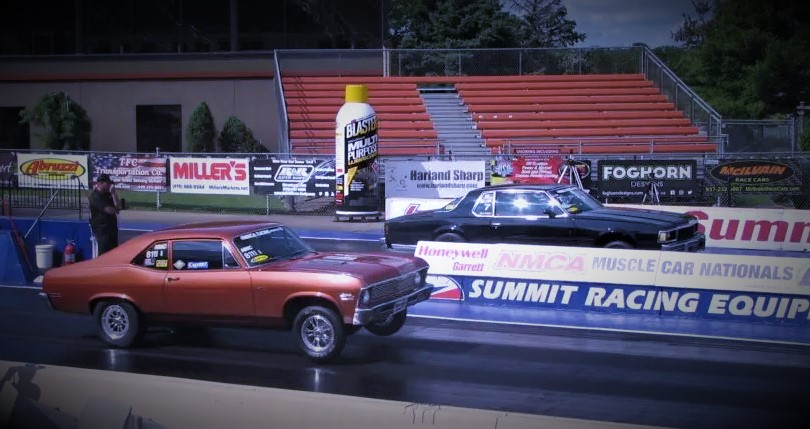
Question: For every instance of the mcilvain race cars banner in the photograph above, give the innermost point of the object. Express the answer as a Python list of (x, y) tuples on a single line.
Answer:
[(749, 288), (225, 176), (433, 179), (753, 177), (132, 172), (43, 170)]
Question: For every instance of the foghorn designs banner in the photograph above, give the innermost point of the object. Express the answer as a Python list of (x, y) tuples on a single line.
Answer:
[(751, 288), (43, 170), (132, 172), (225, 176)]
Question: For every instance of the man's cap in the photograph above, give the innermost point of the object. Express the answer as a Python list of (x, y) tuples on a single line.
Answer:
[(104, 178)]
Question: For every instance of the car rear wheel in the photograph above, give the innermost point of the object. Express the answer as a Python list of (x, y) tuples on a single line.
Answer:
[(390, 326), (618, 244), (119, 323), (319, 332), (450, 237)]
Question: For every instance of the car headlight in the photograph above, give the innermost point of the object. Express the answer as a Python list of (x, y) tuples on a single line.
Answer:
[(417, 279), (365, 296), (666, 236)]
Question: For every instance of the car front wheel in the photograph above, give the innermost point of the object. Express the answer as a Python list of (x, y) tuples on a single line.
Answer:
[(618, 244), (450, 237), (389, 326), (319, 332), (119, 323)]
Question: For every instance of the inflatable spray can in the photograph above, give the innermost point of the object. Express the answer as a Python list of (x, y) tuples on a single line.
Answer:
[(356, 157)]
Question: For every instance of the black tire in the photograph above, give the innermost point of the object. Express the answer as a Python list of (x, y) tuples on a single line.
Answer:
[(450, 237), (319, 333), (390, 326), (119, 323), (619, 244)]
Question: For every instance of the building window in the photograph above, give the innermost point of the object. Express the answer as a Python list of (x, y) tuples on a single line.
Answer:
[(13, 134), (159, 126)]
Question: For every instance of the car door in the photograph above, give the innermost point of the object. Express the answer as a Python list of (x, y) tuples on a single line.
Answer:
[(205, 279), (524, 217)]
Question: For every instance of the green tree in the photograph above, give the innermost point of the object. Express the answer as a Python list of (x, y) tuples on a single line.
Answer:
[(201, 131), (749, 59), (236, 137), (65, 123), (545, 24)]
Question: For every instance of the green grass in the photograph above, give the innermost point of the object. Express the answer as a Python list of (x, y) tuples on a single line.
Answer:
[(253, 204)]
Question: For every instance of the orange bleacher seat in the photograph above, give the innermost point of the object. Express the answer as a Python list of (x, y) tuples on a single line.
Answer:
[(506, 98), (581, 123), (526, 92), (390, 125), (388, 133), (410, 108), (334, 101), (381, 116), (530, 116), (589, 132)]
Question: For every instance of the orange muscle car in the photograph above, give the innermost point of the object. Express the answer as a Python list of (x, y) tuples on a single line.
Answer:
[(243, 273)]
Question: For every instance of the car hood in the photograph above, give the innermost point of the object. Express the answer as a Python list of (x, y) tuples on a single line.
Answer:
[(661, 219), (371, 267)]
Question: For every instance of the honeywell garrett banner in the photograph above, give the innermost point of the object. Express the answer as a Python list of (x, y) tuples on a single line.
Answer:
[(631, 178), (228, 176), (433, 179)]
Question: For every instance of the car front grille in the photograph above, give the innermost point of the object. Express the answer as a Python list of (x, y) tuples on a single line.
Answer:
[(687, 232), (391, 288)]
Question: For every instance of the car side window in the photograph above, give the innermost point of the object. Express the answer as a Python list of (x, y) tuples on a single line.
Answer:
[(155, 256), (194, 255), (485, 205), (514, 204)]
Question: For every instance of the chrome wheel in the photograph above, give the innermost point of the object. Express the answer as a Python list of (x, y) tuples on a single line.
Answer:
[(317, 333), (115, 321)]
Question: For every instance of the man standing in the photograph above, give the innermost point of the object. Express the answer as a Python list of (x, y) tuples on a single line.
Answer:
[(104, 208)]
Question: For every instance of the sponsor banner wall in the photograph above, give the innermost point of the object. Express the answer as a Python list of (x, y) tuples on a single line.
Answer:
[(631, 178), (301, 177), (741, 228), (624, 281), (42, 170), (132, 172), (227, 176), (396, 207), (538, 169), (8, 170), (753, 177), (433, 179)]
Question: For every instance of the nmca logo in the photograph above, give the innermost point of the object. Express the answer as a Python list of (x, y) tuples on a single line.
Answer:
[(530, 261), (445, 287)]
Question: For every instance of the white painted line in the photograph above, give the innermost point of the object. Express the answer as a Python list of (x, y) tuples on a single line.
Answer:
[(21, 287)]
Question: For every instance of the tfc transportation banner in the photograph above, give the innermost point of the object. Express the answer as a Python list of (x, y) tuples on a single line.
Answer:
[(539, 169), (433, 179), (739, 228), (631, 178), (299, 177), (628, 281), (132, 172), (227, 176), (41, 170), (754, 177), (8, 170)]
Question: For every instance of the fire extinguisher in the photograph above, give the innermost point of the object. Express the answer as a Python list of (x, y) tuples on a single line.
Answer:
[(69, 254)]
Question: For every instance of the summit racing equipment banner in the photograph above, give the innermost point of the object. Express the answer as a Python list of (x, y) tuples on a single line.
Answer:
[(300, 177), (631, 178), (132, 172), (8, 169), (209, 175), (433, 179), (42, 170), (754, 176), (751, 288)]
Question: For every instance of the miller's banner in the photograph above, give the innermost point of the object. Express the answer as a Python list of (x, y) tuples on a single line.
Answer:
[(754, 176), (227, 176), (54, 170), (631, 178), (294, 177), (8, 170), (132, 172)]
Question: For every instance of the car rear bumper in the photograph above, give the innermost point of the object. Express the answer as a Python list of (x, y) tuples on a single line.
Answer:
[(364, 316), (694, 244)]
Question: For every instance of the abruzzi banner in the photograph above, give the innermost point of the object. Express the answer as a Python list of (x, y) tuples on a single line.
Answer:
[(227, 176), (752, 288), (42, 170), (132, 172), (433, 179)]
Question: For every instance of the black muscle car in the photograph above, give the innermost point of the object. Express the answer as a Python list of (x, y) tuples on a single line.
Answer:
[(556, 215)]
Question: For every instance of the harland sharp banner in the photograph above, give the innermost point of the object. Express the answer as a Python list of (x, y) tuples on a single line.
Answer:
[(298, 177), (226, 176), (8, 170), (433, 179), (751, 288), (55, 170), (754, 176), (132, 172), (631, 178)]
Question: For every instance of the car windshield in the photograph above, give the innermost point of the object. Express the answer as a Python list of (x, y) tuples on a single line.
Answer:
[(451, 205), (575, 200), (270, 244)]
